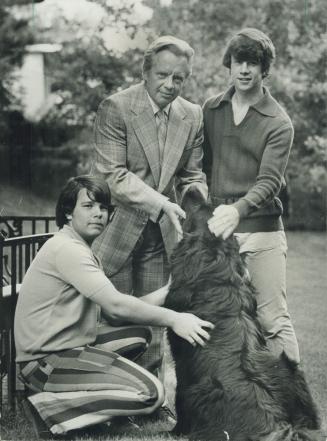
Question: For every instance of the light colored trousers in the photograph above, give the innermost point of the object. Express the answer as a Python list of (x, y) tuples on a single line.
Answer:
[(265, 256)]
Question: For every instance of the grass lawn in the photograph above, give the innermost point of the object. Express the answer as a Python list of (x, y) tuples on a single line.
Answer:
[(307, 299)]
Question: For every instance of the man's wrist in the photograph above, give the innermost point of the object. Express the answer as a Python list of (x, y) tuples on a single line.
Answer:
[(161, 213)]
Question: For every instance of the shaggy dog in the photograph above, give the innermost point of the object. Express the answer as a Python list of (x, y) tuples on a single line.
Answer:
[(233, 388)]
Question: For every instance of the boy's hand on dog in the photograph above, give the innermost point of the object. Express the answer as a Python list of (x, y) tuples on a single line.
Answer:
[(224, 221), (191, 328), (174, 212)]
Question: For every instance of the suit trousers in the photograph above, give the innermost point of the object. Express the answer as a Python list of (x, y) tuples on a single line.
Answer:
[(265, 256), (146, 270), (89, 385)]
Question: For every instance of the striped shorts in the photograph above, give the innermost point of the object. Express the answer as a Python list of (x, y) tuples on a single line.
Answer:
[(83, 386)]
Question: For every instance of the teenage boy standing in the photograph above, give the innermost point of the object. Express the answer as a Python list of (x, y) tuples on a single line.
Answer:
[(248, 137)]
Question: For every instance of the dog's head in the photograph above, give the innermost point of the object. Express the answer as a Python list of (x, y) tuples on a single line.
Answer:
[(202, 262), (198, 211)]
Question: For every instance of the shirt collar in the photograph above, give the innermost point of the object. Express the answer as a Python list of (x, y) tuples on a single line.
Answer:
[(266, 105), (69, 231), (156, 108)]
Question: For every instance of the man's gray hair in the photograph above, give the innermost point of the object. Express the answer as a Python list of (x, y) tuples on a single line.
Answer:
[(173, 44)]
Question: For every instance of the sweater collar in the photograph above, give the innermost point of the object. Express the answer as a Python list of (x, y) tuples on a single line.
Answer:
[(266, 105)]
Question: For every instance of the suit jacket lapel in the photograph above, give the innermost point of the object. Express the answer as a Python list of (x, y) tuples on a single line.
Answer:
[(145, 128), (177, 134)]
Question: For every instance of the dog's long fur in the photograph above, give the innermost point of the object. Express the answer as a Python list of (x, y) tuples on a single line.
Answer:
[(233, 388)]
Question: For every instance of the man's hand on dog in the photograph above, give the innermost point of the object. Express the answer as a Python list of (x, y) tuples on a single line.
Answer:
[(190, 327), (174, 212), (224, 221)]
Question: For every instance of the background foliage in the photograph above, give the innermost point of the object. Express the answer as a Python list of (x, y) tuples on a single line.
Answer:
[(298, 79), (86, 70), (14, 35)]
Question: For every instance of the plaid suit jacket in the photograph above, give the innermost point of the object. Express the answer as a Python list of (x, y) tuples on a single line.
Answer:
[(127, 156)]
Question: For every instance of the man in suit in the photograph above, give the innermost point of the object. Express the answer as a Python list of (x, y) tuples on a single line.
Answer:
[(148, 146)]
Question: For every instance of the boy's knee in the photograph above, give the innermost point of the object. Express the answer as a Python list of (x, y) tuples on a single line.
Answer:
[(160, 395), (156, 397)]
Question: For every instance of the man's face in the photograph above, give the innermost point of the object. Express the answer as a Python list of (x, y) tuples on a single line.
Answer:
[(89, 217), (246, 75), (165, 79)]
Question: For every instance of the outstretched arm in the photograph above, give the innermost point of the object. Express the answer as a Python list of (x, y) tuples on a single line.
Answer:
[(133, 310), (79, 268)]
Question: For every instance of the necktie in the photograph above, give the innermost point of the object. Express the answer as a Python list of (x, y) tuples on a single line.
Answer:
[(161, 118)]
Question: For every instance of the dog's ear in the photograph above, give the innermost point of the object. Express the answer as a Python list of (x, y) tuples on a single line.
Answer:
[(197, 209), (192, 199)]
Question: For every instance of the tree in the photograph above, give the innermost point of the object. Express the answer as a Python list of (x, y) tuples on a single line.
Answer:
[(14, 35), (82, 74), (87, 69)]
